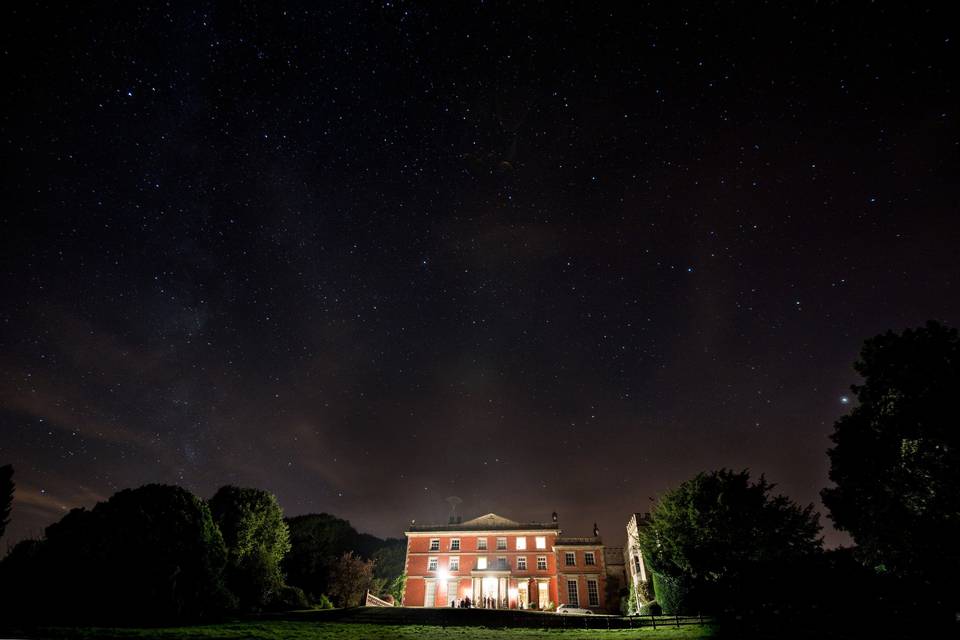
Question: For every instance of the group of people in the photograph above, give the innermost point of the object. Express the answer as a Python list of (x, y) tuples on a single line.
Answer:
[(465, 603)]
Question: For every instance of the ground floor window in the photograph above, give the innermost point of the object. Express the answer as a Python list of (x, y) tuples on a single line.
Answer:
[(593, 593), (572, 598)]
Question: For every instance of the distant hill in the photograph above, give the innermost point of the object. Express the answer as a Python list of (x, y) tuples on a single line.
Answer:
[(317, 539)]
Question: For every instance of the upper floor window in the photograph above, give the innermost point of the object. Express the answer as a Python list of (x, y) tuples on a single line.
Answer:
[(541, 542), (431, 564), (570, 558), (502, 563), (501, 544), (521, 544), (589, 558), (454, 563), (482, 562), (636, 563), (542, 563), (455, 544), (482, 544), (434, 544), (521, 563)]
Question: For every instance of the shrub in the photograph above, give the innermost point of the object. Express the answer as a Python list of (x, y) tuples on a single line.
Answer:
[(651, 608), (289, 598), (323, 602), (673, 594)]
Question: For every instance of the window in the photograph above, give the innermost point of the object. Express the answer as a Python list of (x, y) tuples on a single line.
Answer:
[(481, 544), (521, 544), (454, 563), (482, 562), (636, 563), (455, 544), (542, 563), (593, 593), (431, 564), (589, 558), (502, 563), (501, 544), (541, 542), (570, 559), (521, 563), (435, 544), (572, 593)]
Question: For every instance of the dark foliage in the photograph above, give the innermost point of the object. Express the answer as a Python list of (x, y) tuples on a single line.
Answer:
[(896, 459), (718, 536), (257, 540), (318, 540), (6, 496), (349, 579), (147, 555)]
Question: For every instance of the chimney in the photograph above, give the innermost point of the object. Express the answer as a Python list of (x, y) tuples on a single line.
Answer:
[(554, 516), (596, 530)]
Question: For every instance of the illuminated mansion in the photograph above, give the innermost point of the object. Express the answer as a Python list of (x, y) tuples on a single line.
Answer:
[(494, 562)]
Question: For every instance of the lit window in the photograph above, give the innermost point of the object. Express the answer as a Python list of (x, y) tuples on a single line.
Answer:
[(589, 559), (541, 542), (570, 558), (482, 562), (435, 544), (455, 544), (542, 563), (482, 544), (593, 593), (521, 563), (454, 563), (572, 598), (431, 564), (501, 544), (521, 544)]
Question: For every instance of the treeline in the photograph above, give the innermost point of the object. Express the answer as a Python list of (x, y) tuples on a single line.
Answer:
[(721, 543), (158, 554)]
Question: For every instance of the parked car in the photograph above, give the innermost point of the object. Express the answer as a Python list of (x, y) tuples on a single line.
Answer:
[(569, 608)]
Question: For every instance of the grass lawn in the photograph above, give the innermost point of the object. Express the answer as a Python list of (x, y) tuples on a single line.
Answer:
[(282, 629)]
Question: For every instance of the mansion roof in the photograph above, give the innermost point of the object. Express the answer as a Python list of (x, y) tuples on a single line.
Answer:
[(488, 522)]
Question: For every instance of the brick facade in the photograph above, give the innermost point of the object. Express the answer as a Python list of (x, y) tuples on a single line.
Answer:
[(499, 563)]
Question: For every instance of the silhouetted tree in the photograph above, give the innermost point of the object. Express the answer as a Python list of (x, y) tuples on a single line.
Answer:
[(318, 540), (350, 578), (257, 539), (896, 459), (6, 496), (146, 555), (717, 541)]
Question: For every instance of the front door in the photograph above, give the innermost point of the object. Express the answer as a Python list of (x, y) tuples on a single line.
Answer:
[(543, 594)]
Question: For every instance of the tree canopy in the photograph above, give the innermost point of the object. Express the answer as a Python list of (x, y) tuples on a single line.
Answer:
[(896, 455), (257, 539), (318, 542), (151, 554), (717, 533)]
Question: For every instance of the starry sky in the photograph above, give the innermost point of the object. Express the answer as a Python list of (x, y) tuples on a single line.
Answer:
[(540, 256)]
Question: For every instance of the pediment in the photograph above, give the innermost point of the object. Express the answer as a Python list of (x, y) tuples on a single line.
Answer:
[(492, 520)]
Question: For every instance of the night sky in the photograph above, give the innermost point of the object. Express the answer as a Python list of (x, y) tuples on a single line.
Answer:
[(541, 257)]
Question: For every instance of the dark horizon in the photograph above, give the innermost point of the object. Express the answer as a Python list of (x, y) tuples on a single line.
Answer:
[(542, 258)]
